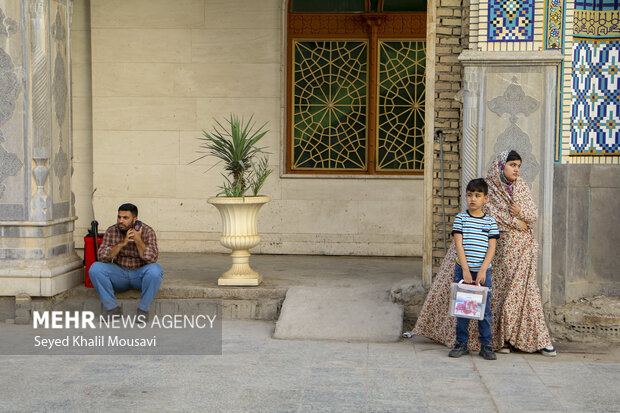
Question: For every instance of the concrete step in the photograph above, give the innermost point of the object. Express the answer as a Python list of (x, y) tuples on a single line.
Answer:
[(256, 303), (177, 290), (364, 314), (190, 281)]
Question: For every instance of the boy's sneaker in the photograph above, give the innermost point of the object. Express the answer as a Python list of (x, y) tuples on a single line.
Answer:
[(487, 353), (459, 350), (548, 351)]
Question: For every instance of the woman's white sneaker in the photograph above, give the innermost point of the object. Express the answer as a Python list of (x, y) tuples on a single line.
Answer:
[(505, 349), (548, 351)]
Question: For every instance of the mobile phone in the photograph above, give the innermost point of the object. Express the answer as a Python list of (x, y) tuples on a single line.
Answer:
[(137, 225)]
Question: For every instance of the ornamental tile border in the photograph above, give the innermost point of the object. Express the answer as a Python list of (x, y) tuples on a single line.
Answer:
[(554, 24)]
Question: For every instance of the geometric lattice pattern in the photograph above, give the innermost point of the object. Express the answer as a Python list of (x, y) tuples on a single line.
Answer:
[(329, 105), (511, 21), (400, 141), (595, 112), (597, 5)]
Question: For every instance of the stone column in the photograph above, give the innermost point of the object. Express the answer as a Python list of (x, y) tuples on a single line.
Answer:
[(509, 102), (37, 214)]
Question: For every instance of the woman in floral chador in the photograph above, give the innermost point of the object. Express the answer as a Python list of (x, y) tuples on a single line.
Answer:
[(518, 319), (521, 323)]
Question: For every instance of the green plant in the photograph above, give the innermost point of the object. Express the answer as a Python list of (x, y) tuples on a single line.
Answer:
[(235, 144)]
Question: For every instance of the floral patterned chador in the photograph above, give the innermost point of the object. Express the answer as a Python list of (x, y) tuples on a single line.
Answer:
[(515, 301)]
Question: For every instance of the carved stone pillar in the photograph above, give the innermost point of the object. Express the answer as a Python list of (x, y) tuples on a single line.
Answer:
[(509, 102), (37, 255)]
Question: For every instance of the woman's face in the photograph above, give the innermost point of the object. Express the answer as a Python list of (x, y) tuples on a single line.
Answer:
[(511, 170)]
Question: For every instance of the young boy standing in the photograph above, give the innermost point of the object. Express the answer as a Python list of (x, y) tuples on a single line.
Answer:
[(475, 235)]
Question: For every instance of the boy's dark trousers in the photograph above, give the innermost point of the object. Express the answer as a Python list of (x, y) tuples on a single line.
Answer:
[(484, 325)]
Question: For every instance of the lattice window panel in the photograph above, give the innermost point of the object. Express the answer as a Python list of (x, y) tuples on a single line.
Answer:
[(400, 140), (330, 105)]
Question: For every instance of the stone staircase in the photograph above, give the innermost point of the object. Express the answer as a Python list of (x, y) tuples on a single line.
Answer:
[(257, 303)]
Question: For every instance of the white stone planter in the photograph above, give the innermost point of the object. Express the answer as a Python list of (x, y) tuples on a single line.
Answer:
[(240, 233)]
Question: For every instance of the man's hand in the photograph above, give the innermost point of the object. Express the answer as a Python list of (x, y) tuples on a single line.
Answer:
[(467, 276), (515, 210), (128, 237), (522, 225), (136, 236)]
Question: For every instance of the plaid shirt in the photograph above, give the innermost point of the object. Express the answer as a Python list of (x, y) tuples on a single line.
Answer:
[(128, 257)]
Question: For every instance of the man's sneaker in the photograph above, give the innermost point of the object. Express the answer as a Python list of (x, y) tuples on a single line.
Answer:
[(487, 353), (548, 351), (506, 349), (459, 350), (142, 316), (116, 312)]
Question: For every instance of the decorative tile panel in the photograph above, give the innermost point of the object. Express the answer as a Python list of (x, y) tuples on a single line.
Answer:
[(597, 4), (597, 24), (595, 112), (511, 21)]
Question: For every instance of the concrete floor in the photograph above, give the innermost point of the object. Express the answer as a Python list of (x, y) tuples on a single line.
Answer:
[(256, 373)]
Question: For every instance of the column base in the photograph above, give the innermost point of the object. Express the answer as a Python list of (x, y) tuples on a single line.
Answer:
[(44, 278), (241, 282)]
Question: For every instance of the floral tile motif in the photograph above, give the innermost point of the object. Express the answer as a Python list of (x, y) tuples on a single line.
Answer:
[(595, 112), (511, 21), (554, 24)]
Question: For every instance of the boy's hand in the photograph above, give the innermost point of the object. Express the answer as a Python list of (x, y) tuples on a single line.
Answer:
[(482, 276), (467, 276)]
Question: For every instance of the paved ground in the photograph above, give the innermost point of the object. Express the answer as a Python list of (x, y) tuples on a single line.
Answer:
[(258, 373)]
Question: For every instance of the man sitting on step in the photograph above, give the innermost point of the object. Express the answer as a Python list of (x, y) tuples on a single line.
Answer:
[(127, 260)]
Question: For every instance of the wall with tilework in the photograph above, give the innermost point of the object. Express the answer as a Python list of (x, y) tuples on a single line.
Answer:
[(507, 25), (587, 138)]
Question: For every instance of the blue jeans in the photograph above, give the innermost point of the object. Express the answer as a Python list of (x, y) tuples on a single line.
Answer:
[(484, 325), (109, 277)]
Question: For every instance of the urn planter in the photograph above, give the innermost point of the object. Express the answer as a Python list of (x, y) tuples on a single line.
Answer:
[(239, 233)]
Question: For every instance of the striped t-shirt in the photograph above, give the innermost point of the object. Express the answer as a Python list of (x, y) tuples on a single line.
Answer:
[(476, 233)]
